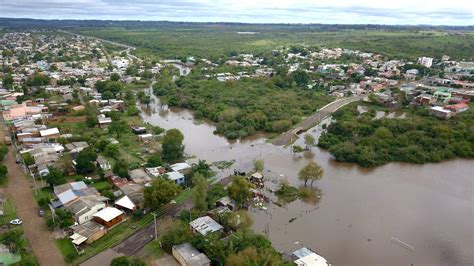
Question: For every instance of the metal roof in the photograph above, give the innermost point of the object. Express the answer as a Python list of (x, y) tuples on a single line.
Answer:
[(205, 225), (108, 214)]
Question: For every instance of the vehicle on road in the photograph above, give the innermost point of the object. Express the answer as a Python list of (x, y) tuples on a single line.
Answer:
[(40, 212), (16, 221)]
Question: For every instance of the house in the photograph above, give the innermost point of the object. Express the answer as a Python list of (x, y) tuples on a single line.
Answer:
[(257, 179), (205, 225), (183, 168), (83, 209), (87, 232), (51, 133), (177, 177), (20, 111), (103, 163), (306, 257), (125, 204), (139, 176), (425, 99), (187, 255), (442, 95), (109, 217), (145, 137), (440, 112), (77, 147), (103, 121), (155, 171), (226, 202), (457, 108)]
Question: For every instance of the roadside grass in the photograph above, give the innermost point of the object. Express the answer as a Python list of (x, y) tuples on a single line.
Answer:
[(9, 212), (151, 252), (66, 248)]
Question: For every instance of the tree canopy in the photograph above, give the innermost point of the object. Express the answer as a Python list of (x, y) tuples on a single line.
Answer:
[(312, 171), (172, 144), (160, 192)]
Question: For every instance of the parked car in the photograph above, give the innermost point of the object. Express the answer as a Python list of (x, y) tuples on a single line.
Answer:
[(40, 212), (16, 221)]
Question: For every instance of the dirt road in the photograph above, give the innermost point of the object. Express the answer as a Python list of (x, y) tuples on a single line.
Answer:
[(285, 138), (20, 193)]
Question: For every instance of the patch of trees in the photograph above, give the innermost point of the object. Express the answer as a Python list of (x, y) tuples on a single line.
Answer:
[(417, 139), (241, 108)]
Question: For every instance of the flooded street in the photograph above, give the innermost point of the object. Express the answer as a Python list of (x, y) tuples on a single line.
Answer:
[(397, 214)]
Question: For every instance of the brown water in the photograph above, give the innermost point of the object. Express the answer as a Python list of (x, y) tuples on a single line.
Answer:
[(429, 207)]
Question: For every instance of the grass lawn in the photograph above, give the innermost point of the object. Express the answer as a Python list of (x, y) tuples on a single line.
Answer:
[(102, 185), (151, 252), (66, 248), (9, 212)]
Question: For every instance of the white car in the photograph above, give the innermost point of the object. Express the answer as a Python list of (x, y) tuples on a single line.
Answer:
[(16, 222)]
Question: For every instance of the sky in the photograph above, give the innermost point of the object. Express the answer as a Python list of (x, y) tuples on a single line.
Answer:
[(401, 12)]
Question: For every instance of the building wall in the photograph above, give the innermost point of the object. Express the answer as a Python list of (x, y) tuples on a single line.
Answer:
[(86, 217)]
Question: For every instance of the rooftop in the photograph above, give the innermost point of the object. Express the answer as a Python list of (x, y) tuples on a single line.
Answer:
[(205, 225), (108, 214)]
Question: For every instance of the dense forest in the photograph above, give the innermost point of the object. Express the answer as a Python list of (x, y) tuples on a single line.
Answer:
[(419, 139), (241, 108), (216, 40)]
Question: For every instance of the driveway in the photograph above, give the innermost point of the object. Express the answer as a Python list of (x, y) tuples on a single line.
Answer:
[(20, 193)]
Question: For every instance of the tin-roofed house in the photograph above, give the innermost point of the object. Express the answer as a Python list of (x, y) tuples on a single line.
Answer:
[(109, 217), (187, 255), (205, 225)]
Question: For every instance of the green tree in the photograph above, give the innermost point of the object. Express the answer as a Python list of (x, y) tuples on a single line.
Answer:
[(173, 147), (118, 126), (112, 150), (312, 171), (309, 140), (120, 168), (120, 261), (13, 239), (115, 76), (179, 233), (154, 161), (85, 162), (199, 192), (216, 192), (3, 172), (160, 192), (239, 190), (3, 151), (55, 177)]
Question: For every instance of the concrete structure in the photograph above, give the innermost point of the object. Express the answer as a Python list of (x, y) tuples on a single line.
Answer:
[(306, 257)]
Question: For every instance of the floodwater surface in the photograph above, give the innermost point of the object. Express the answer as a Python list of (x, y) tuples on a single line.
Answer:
[(397, 214)]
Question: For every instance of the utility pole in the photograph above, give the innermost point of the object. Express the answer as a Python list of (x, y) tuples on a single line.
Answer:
[(154, 219)]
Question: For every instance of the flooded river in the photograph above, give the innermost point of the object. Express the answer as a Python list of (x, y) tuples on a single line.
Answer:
[(397, 214)]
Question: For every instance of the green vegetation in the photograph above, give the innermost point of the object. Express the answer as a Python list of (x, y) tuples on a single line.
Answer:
[(239, 190), (173, 147), (161, 192), (420, 138), (3, 168), (312, 171), (242, 108), (212, 41)]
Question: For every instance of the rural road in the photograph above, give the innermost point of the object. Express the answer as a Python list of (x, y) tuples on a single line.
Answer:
[(21, 195), (286, 137)]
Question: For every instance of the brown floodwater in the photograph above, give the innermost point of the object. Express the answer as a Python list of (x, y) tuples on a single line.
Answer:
[(397, 214)]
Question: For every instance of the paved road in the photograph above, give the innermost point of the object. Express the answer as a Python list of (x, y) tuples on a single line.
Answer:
[(285, 138), (20, 192)]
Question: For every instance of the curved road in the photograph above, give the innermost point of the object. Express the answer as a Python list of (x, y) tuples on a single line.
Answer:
[(20, 193), (307, 123)]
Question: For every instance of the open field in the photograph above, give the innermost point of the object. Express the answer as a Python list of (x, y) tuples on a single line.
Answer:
[(215, 40)]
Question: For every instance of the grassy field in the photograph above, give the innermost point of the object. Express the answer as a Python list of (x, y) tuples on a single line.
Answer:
[(214, 40)]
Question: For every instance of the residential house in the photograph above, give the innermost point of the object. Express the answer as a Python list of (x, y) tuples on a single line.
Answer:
[(87, 232), (306, 257), (205, 225), (440, 112), (103, 163), (51, 133), (176, 177), (187, 255), (139, 176), (109, 217), (125, 204), (155, 171)]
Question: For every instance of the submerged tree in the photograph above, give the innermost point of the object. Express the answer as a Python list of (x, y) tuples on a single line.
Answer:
[(312, 171)]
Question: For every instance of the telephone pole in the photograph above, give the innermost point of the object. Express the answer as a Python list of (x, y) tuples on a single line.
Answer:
[(154, 219)]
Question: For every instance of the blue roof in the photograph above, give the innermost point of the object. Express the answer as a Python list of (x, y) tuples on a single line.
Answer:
[(78, 185), (302, 252)]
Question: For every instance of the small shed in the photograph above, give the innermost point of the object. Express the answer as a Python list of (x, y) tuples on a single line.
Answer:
[(145, 137)]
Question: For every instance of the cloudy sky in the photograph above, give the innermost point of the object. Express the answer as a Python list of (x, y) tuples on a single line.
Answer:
[(437, 12)]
